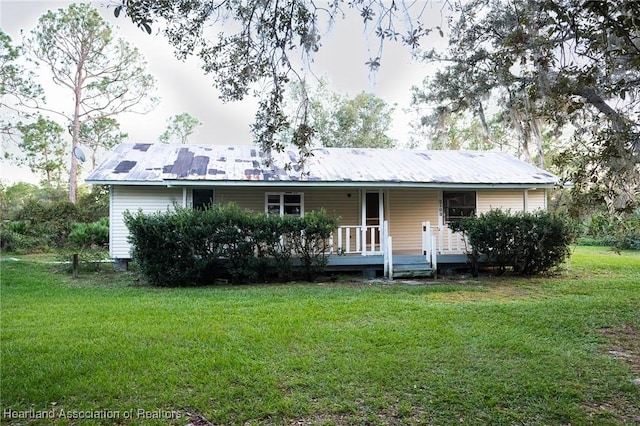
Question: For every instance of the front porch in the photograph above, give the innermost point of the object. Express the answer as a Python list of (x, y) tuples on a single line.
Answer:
[(370, 249)]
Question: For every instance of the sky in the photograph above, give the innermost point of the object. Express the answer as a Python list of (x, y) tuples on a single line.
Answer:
[(183, 86)]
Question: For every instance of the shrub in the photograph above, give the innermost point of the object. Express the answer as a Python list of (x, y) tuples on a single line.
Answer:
[(18, 242), (90, 235), (273, 247), (620, 231), (160, 255), (93, 204), (530, 243), (311, 241), (190, 247), (46, 224), (41, 219)]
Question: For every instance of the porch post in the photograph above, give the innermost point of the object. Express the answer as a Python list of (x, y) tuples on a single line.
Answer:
[(386, 254), (363, 221)]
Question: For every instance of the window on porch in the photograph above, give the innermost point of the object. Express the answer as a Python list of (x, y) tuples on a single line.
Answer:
[(458, 205), (285, 203), (202, 198)]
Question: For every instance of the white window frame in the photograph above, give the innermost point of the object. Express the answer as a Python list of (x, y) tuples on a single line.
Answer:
[(281, 203)]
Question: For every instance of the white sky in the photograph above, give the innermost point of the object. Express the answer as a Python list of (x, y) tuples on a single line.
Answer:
[(183, 87)]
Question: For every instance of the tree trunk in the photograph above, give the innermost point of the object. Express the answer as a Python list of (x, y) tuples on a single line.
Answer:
[(535, 131), (485, 126), (516, 117), (75, 134)]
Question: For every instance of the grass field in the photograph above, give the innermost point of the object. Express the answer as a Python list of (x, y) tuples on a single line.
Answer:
[(553, 350)]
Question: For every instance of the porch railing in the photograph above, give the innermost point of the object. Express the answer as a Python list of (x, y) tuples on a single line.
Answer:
[(356, 239), (441, 240)]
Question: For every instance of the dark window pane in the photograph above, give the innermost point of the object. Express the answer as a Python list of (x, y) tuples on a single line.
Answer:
[(273, 198), (202, 198), (292, 210), (458, 205), (273, 209), (292, 198)]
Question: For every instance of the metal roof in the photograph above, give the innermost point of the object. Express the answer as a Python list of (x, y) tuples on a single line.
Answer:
[(163, 164)]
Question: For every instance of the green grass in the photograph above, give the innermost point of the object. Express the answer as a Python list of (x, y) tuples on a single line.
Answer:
[(487, 351)]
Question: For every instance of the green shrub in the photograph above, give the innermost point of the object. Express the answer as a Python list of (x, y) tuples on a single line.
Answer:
[(163, 257), (195, 246), (93, 204), (88, 235), (42, 219), (620, 231), (19, 242), (529, 243), (311, 241), (48, 223)]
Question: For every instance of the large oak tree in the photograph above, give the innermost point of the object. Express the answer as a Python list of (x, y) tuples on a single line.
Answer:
[(569, 65), (263, 44)]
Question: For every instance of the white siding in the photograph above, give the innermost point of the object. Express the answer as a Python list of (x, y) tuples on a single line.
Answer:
[(147, 198), (496, 199), (514, 200), (536, 200), (408, 208)]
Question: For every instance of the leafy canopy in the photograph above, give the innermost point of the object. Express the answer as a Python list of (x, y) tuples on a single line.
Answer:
[(179, 128), (42, 149), (245, 44), (338, 120), (570, 66)]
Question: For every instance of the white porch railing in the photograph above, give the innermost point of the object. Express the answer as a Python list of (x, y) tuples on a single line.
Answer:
[(364, 240), (441, 240)]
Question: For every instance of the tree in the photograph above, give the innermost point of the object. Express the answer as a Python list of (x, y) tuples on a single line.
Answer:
[(101, 133), (340, 121), (250, 42), (44, 149), (362, 122), (550, 65), (105, 76), (179, 128), (17, 84), (14, 197)]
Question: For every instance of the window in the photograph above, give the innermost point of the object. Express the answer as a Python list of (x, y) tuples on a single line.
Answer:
[(285, 203), (458, 205), (202, 198)]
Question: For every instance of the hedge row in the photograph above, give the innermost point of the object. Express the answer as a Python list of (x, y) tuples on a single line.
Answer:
[(529, 243), (199, 246), (41, 226)]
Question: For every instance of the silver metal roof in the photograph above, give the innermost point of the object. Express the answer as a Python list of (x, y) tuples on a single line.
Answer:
[(163, 164)]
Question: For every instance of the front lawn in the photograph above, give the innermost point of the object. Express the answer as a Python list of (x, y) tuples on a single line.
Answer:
[(559, 350)]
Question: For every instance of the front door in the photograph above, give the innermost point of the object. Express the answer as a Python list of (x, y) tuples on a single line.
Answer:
[(373, 216)]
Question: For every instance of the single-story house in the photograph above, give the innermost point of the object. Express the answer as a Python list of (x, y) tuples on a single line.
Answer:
[(393, 205)]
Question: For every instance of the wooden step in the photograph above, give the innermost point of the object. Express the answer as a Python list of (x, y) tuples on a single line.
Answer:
[(412, 268)]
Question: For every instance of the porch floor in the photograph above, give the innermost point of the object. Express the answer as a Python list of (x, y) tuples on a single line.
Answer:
[(404, 264)]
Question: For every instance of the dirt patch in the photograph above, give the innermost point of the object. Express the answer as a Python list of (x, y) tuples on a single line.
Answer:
[(196, 419), (624, 346)]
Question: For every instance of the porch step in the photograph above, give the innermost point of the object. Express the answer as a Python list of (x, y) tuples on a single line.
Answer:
[(412, 267)]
